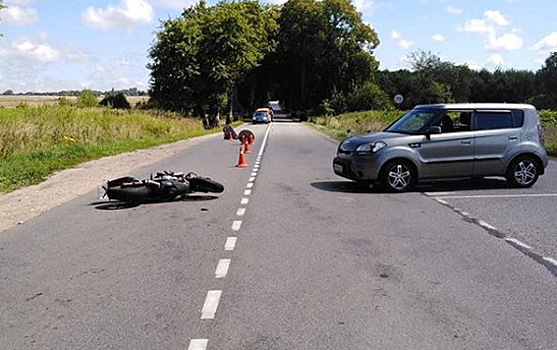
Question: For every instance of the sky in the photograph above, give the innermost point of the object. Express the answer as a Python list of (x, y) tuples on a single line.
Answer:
[(54, 45)]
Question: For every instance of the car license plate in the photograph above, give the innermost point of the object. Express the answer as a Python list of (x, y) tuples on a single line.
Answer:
[(338, 168)]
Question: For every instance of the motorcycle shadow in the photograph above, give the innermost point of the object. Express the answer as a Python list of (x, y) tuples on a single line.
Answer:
[(119, 205)]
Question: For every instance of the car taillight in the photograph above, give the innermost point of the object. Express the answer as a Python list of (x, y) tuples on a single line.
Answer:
[(540, 130)]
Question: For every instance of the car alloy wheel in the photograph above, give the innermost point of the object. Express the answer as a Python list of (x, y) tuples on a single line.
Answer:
[(398, 176), (525, 172)]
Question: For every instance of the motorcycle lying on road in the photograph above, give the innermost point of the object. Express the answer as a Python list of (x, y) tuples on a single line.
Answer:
[(165, 186)]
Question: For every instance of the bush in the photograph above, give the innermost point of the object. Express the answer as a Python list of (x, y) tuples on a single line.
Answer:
[(87, 99), (117, 101)]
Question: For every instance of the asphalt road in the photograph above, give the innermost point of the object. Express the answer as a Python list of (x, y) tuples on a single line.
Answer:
[(290, 256)]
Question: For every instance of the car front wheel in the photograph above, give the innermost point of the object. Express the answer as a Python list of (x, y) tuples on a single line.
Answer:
[(398, 176), (523, 172)]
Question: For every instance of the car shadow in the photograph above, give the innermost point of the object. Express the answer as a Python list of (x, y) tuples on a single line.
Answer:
[(433, 186), (119, 205), (345, 186)]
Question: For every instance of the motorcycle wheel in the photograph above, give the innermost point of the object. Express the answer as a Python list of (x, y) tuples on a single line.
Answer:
[(203, 184), (129, 194)]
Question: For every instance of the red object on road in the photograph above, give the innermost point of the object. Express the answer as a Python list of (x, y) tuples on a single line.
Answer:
[(241, 160)]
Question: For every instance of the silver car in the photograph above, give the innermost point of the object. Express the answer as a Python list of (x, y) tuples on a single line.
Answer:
[(448, 141)]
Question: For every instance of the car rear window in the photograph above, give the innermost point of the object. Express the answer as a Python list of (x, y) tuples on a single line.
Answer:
[(494, 120)]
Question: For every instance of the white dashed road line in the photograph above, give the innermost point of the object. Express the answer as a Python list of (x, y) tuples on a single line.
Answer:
[(198, 344), (230, 243), (213, 296), (222, 268), (236, 225), (211, 304)]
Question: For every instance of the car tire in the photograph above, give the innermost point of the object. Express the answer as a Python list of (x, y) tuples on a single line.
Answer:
[(523, 172), (398, 176)]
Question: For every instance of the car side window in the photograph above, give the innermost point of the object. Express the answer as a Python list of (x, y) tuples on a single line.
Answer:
[(454, 121), (493, 120)]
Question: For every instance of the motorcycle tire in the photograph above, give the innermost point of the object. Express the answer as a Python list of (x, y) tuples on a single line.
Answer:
[(203, 184), (129, 194)]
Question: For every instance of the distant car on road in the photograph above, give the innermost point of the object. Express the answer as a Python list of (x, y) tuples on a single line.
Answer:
[(263, 115), (448, 141)]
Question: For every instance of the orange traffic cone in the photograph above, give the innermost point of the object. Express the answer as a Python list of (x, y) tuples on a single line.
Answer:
[(251, 139), (246, 148), (241, 160)]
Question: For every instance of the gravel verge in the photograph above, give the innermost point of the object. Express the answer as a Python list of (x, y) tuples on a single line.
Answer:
[(21, 205)]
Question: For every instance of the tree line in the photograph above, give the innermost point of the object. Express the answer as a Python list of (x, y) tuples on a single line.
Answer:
[(315, 57), (435, 81)]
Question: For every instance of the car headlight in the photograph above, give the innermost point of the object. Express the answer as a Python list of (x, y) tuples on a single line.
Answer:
[(371, 147)]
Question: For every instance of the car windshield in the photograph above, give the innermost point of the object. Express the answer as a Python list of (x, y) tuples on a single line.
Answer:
[(259, 114), (414, 122)]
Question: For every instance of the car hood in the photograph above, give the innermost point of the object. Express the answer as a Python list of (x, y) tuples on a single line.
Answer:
[(352, 142)]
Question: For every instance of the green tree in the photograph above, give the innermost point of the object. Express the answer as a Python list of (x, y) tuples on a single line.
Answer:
[(546, 92), (201, 57), (87, 98), (324, 46)]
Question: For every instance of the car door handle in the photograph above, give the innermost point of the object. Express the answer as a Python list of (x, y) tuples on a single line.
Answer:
[(465, 142), (513, 138)]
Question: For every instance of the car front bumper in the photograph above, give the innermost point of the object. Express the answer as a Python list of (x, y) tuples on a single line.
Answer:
[(357, 168)]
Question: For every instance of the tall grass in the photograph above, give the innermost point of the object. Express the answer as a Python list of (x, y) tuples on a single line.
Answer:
[(362, 122), (36, 141)]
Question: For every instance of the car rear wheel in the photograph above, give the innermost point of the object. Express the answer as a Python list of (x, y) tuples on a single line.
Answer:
[(523, 172), (398, 176)]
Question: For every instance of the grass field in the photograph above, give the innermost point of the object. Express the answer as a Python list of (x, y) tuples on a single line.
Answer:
[(361, 122), (35, 141), (37, 100)]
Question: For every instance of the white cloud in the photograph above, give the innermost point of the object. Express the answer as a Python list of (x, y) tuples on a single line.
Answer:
[(454, 10), (405, 44), (496, 17), (496, 60), (19, 2), (491, 21), (28, 50), (17, 16), (549, 43), (124, 15), (176, 4), (363, 5), (506, 42), (438, 38)]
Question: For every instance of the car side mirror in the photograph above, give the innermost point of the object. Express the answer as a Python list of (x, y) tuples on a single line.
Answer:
[(433, 130)]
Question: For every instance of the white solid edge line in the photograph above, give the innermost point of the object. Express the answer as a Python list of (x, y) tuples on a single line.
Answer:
[(501, 196), (236, 225), (230, 243), (222, 268), (198, 344), (550, 260), (486, 225), (265, 140), (244, 201), (247, 192), (517, 242), (241, 211), (211, 304)]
